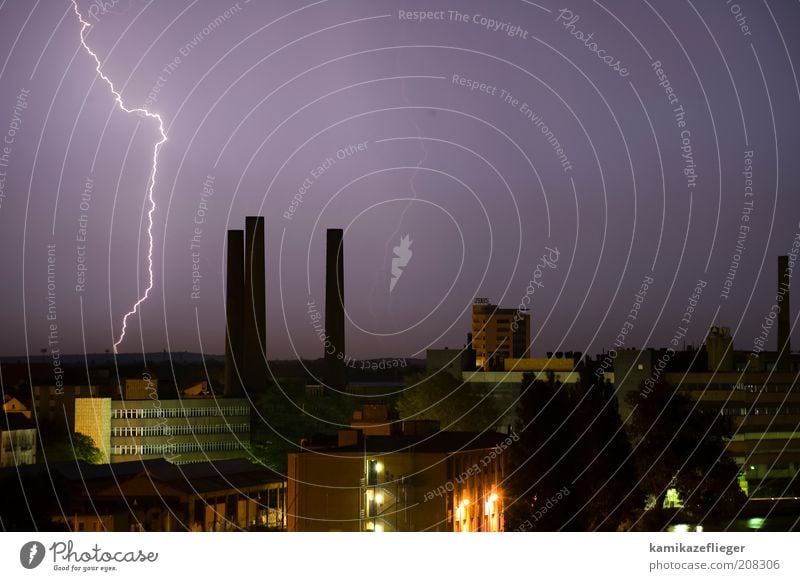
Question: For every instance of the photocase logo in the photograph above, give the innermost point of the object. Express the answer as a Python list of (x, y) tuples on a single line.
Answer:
[(31, 554), (402, 254)]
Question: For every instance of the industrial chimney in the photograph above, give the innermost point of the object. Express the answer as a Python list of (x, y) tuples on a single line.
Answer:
[(335, 364), (245, 310), (255, 327), (234, 314)]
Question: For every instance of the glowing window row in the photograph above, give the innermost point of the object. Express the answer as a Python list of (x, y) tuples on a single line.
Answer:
[(192, 412), (171, 449), (182, 430)]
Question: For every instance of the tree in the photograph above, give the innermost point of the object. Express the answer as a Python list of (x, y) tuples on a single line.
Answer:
[(287, 414), (571, 469), (70, 447), (679, 444), (540, 463), (458, 406), (84, 448)]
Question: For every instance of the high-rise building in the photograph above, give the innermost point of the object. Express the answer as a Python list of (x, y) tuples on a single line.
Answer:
[(499, 334)]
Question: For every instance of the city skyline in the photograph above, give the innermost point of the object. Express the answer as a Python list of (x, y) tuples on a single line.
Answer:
[(511, 137), (368, 266)]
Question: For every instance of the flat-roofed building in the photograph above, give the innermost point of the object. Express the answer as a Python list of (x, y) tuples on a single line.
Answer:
[(57, 403), (146, 495), (764, 409), (191, 429), (442, 481), (505, 386), (761, 401)]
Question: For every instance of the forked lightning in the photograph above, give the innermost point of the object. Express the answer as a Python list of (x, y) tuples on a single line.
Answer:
[(156, 148)]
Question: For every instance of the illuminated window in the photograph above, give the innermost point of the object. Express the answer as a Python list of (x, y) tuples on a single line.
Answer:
[(673, 499)]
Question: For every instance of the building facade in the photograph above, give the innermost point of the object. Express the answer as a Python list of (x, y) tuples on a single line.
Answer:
[(179, 430), (498, 334), (448, 481), (57, 403), (17, 439), (761, 401), (506, 385), (147, 495)]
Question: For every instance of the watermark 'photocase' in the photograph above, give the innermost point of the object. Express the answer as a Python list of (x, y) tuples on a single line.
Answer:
[(568, 19), (100, 8), (152, 392), (548, 260), (69, 558), (32, 554), (402, 256)]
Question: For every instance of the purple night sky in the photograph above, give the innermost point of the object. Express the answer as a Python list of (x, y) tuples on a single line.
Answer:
[(489, 132)]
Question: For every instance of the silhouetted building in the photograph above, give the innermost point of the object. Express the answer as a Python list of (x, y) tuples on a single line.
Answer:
[(505, 384), (454, 362), (149, 495), (757, 390), (57, 404)]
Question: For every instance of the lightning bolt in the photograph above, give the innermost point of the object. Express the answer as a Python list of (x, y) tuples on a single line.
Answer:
[(156, 148)]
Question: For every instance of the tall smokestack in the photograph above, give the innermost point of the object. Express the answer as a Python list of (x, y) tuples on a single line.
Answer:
[(255, 327), (234, 313), (784, 362), (335, 364)]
